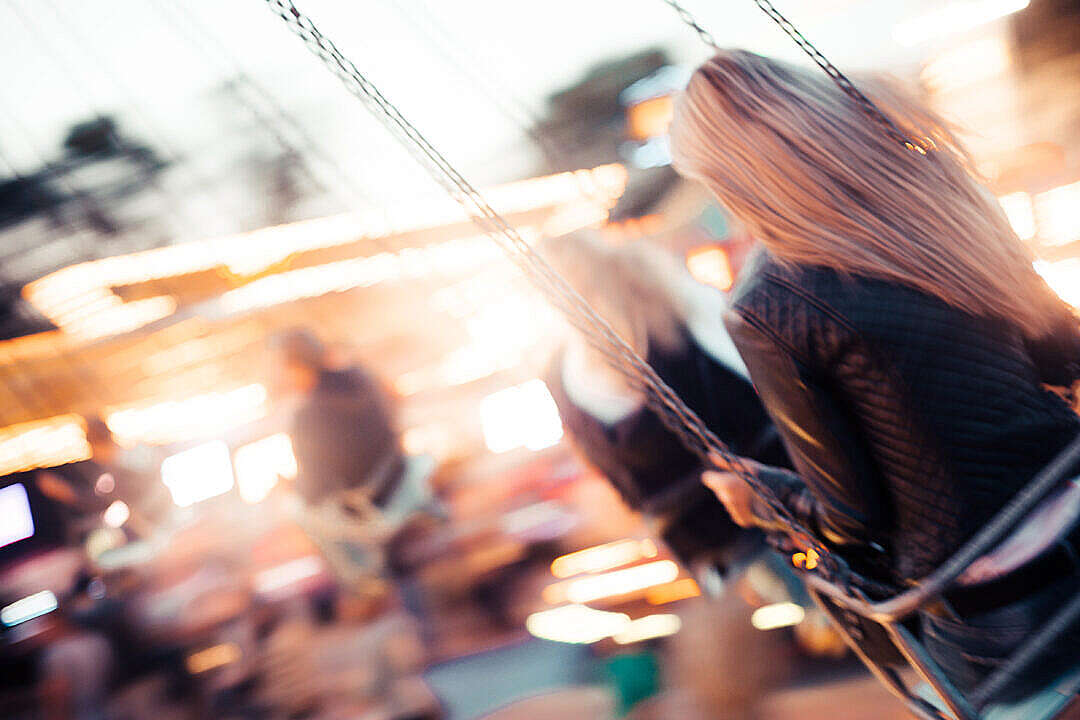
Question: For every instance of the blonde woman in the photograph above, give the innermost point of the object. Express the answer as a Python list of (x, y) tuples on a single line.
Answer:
[(896, 332), (651, 301)]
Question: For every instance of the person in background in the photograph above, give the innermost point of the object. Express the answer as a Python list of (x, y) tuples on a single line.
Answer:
[(362, 495), (80, 490), (81, 484), (673, 322), (344, 430), (86, 488), (899, 336), (76, 667), (125, 474)]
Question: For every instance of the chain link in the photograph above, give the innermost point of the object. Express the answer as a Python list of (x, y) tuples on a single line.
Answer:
[(687, 17), (672, 411), (864, 103)]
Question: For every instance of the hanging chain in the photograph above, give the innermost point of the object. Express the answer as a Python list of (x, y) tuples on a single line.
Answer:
[(672, 411), (841, 80), (687, 17), (865, 104)]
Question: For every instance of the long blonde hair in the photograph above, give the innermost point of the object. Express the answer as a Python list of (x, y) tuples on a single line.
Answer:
[(820, 183), (633, 286)]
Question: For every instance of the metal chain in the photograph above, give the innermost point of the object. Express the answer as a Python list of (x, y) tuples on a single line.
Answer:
[(671, 410), (865, 104), (687, 17)]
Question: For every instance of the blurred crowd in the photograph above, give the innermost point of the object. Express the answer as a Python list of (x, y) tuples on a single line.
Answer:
[(337, 594)]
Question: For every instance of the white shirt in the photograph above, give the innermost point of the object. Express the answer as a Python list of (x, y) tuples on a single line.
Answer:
[(608, 401)]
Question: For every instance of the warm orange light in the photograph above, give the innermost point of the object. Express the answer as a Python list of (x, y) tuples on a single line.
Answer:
[(710, 265), (42, 443), (650, 118), (673, 592), (213, 657), (805, 560), (634, 227), (81, 301), (603, 557)]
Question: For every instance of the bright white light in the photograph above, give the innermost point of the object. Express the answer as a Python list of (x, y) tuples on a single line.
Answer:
[(28, 608), (612, 584), (116, 514), (972, 62), (259, 465), (521, 416), (1021, 214), (286, 574), (575, 624), (778, 615), (603, 557), (202, 472), (499, 340), (955, 17), (189, 418), (16, 520), (647, 628), (1058, 211), (710, 265), (1063, 277)]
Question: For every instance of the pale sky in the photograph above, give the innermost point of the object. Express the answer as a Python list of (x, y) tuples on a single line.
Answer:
[(153, 64)]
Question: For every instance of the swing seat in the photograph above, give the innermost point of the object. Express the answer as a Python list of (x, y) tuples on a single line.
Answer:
[(1042, 521)]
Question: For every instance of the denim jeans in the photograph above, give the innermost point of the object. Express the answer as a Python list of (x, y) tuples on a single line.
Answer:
[(971, 648)]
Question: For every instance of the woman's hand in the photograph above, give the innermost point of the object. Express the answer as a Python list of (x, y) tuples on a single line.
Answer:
[(734, 492)]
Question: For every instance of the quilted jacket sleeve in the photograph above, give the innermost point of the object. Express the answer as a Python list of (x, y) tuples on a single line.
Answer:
[(834, 492)]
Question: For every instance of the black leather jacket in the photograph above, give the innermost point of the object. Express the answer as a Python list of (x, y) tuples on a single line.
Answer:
[(910, 423), (649, 466)]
